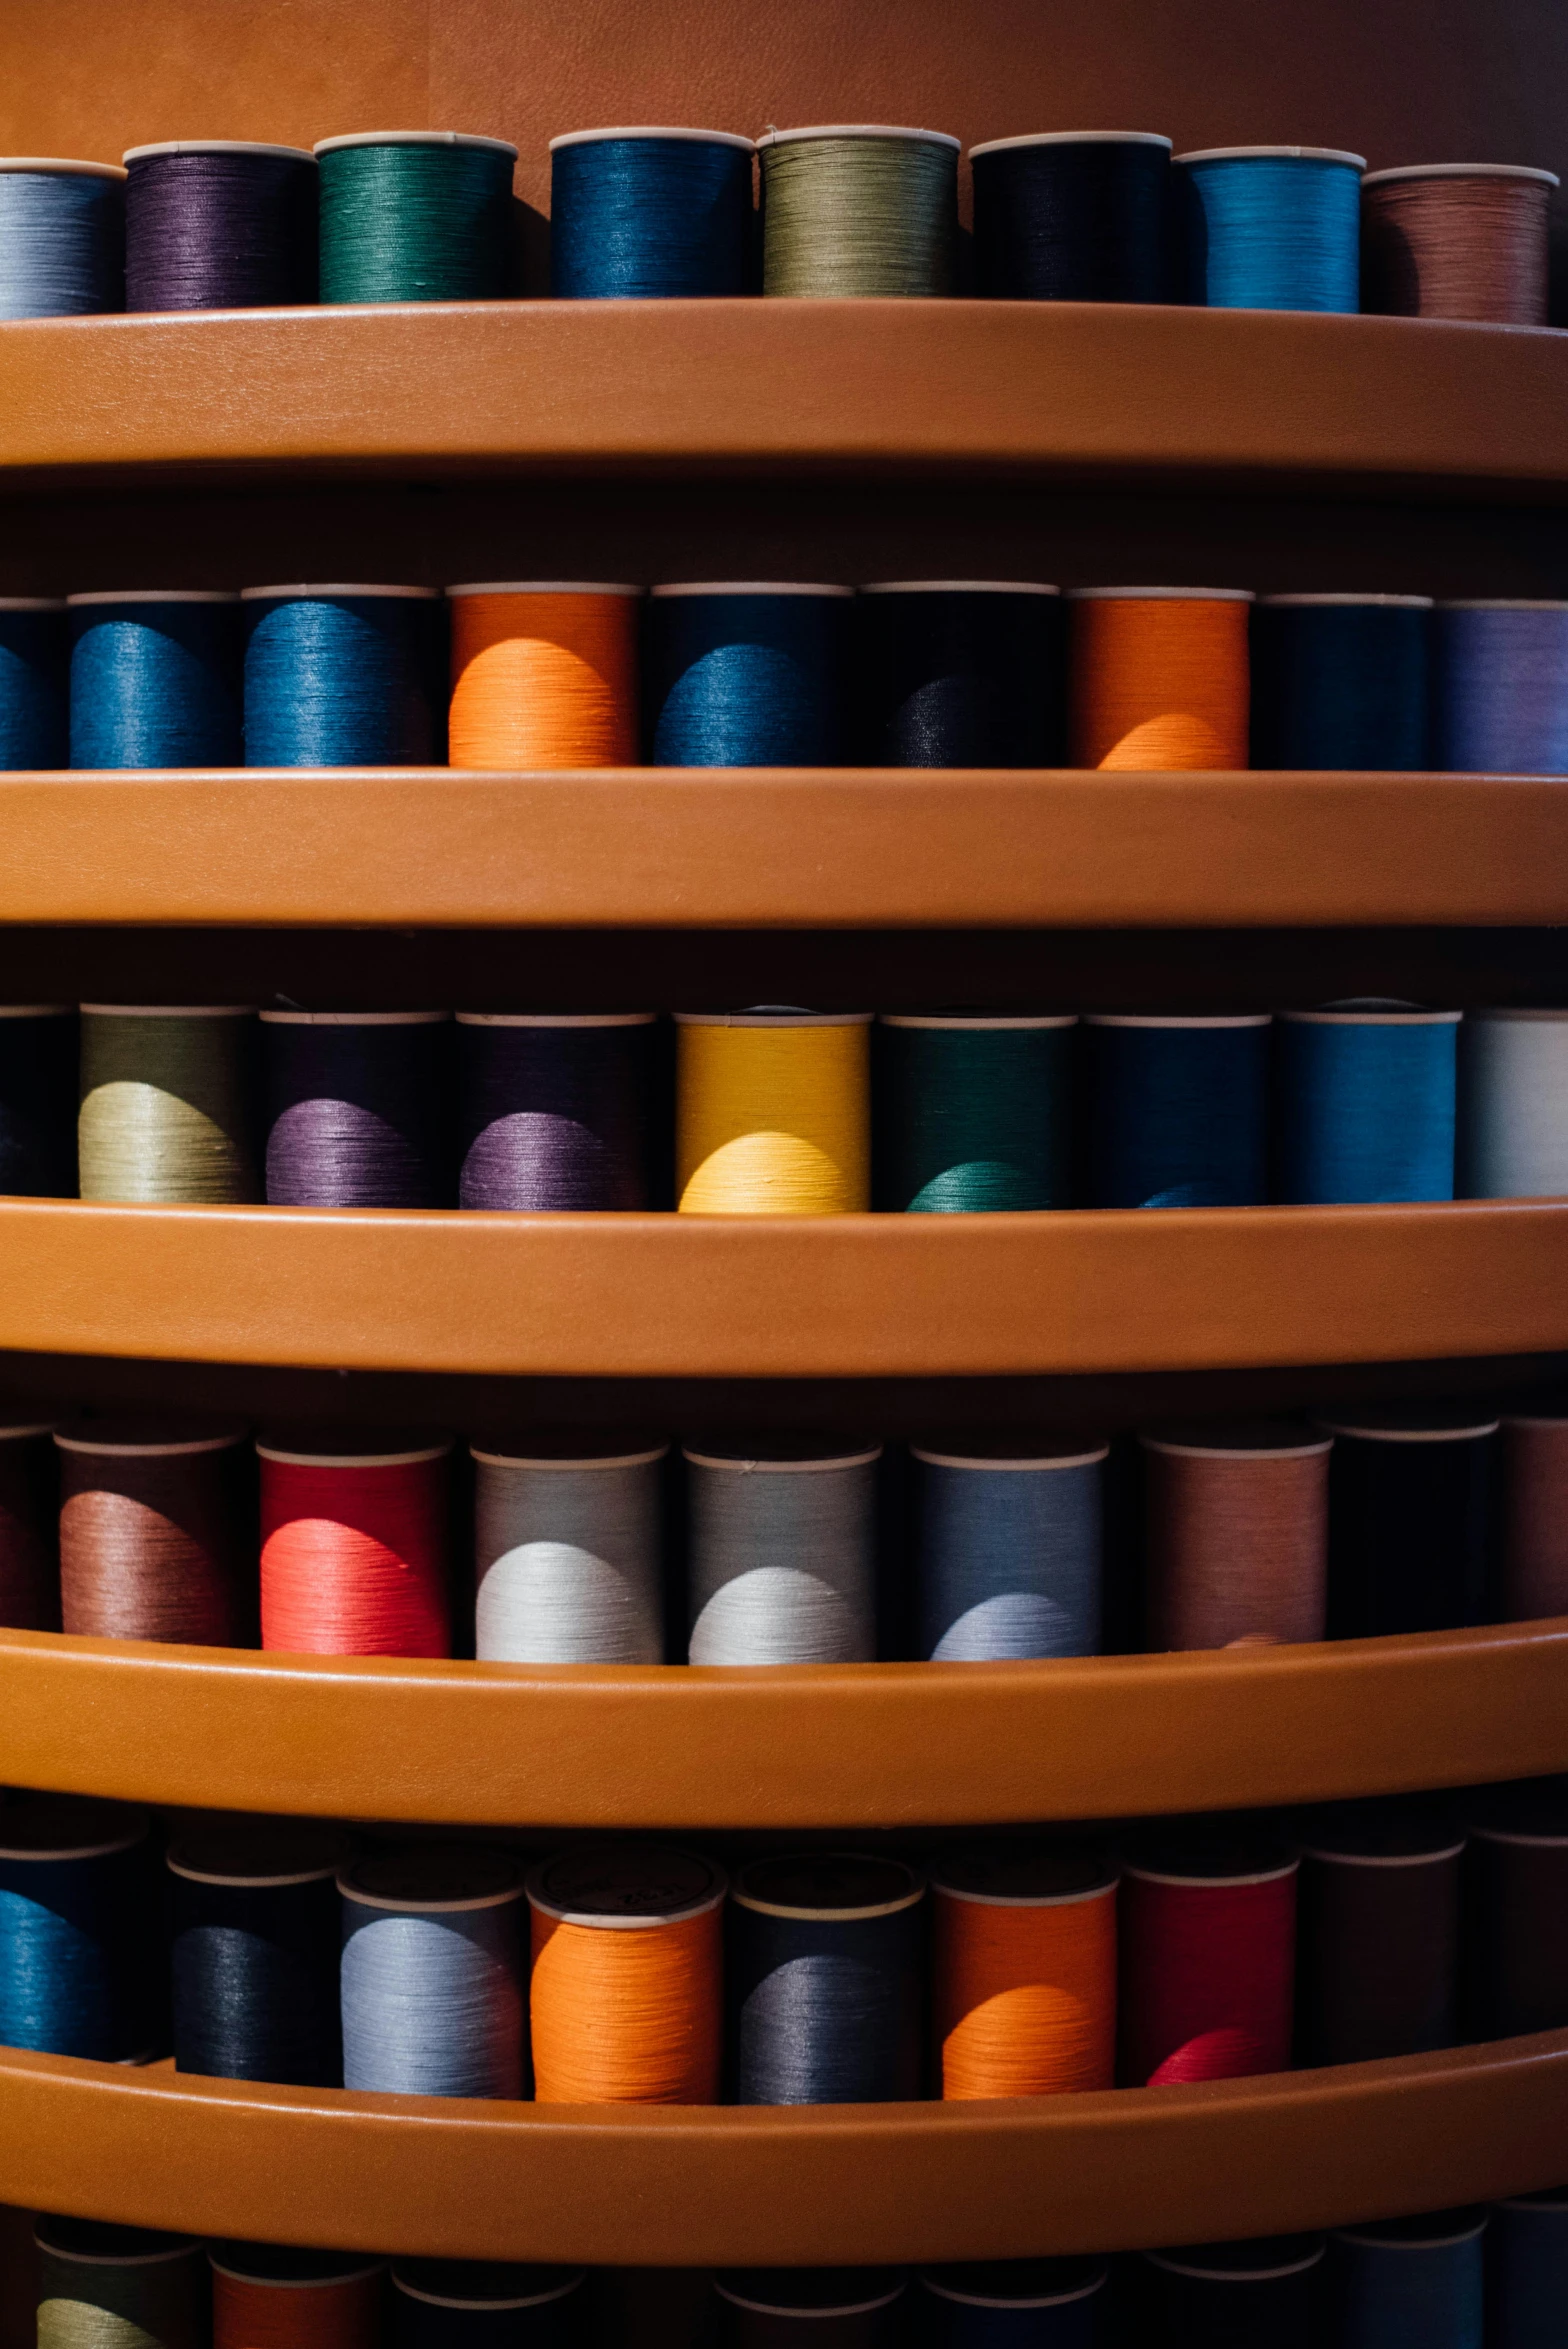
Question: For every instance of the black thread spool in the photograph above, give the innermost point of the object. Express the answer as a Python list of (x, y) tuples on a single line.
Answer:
[(810, 2308), (39, 1050), (961, 673), (554, 1110), (476, 2304), (355, 1105), (1410, 1523), (254, 1958), (1073, 216), (1013, 2304), (1516, 1910), (29, 1526), (824, 1974), (1377, 1967), (219, 224), (1255, 2295)]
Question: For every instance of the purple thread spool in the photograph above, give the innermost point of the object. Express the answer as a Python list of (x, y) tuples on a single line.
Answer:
[(553, 1110), (219, 224), (355, 1108)]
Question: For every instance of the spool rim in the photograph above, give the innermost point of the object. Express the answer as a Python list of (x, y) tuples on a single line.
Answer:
[(307, 591), (1273, 154), (1373, 1018), (1042, 2300), (180, 2248), (133, 1835), (407, 138), (1177, 1019), (857, 130), (1501, 603), (153, 595), (15, 1432), (291, 1459), (354, 1019), (773, 1019), (178, 1861), (167, 1011), (644, 130), (1177, 2265), (1414, 603), (1309, 1447), (1464, 1433), (860, 1913), (1548, 2198), (350, 2275), (592, 1920), (1532, 1839), (214, 147), (1033, 1461), (544, 587), (1368, 2234), (750, 1465), (36, 1011), (1161, 595), (62, 166), (771, 2308), (1148, 1875), (410, 1905), (980, 1020), (522, 2300), (1522, 171), (956, 587), (734, 587), (556, 1019), (1510, 1012), (155, 1448), (1365, 1859), (576, 1463), (1028, 1900), (33, 603), (1098, 138)]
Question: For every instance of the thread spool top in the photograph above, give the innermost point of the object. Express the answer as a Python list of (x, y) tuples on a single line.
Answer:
[(1516, 1011), (67, 1827), (1500, 603), (556, 1019), (643, 130), (1177, 1019), (1431, 2231), (1412, 1426), (1258, 2261), (37, 1011), (307, 591), (978, 1022), (570, 1451), (473, 2283), (1040, 1875), (354, 1019), (65, 167), (1382, 1834), (844, 1887), (214, 147), (1550, 1411), (1531, 1811), (856, 130), (1373, 1013), (747, 587), (1272, 155), (957, 587), (17, 1431), (1017, 2283), (544, 587), (405, 138), (432, 1879), (33, 603), (289, 2266), (781, 1456), (795, 2291), (167, 1011), (102, 2243), (1085, 138), (152, 595), (1545, 2198), (1523, 171), (309, 1448), (1007, 1453), (1161, 595), (1209, 1855), (1402, 603), (772, 1015), (626, 1886), (131, 1438), (257, 1851), (1257, 1439)]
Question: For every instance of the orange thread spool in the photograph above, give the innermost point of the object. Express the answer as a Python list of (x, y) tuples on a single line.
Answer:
[(1025, 1974), (625, 2000), (264, 2298), (1158, 677), (543, 676)]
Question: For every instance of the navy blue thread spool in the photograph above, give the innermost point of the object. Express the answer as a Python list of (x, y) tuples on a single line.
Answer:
[(1501, 688), (39, 1049), (77, 1929), (1270, 228), (473, 2304), (1377, 1967), (823, 1966), (1073, 216), (432, 1973), (1254, 2295), (649, 212), (1014, 2304), (1516, 1911), (810, 2308), (1009, 1549), (1415, 2281), (62, 237), (355, 1105), (1342, 682), (1410, 1534), (1366, 1104), (554, 1110), (29, 1521), (750, 674), (219, 224), (154, 679), (255, 1928), (342, 676), (960, 673), (34, 668), (1177, 1109), (1527, 2247), (972, 1113)]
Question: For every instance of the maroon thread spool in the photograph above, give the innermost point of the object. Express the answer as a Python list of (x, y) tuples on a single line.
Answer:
[(1207, 1949), (1535, 1515), (1516, 1903), (1378, 1935), (1237, 1534), (29, 1527), (155, 1541), (1457, 240)]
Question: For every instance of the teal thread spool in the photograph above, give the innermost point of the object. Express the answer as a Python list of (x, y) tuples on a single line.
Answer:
[(972, 1113), (415, 216), (854, 208)]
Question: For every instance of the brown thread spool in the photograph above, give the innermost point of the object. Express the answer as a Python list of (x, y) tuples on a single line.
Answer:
[(267, 2297), (1237, 1534), (153, 1540), (29, 1527), (1378, 1927), (1535, 1515), (1457, 240)]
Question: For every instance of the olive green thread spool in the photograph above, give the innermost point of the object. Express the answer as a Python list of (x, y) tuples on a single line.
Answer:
[(859, 208), (109, 2287), (164, 1110)]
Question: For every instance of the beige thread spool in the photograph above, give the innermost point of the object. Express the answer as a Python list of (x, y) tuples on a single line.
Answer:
[(163, 1116)]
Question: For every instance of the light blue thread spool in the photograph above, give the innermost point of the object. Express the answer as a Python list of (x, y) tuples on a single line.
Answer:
[(1366, 1104), (432, 1975), (1008, 1543), (1501, 688), (1271, 228), (1415, 2283), (62, 238)]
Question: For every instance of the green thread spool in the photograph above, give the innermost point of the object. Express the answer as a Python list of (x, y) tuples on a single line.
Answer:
[(164, 1106), (972, 1113), (415, 216), (859, 208), (107, 2287)]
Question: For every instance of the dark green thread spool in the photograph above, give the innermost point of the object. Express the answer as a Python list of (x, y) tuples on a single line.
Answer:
[(415, 216), (972, 1113)]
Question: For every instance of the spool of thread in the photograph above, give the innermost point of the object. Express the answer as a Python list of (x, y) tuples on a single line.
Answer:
[(255, 1932), (1513, 1105), (1516, 1903), (34, 665), (154, 679), (773, 1112), (356, 1108), (1157, 677), (626, 2003), (1236, 1525), (1013, 2304), (649, 212), (432, 1978), (544, 675), (1410, 2279), (1378, 1947), (1528, 2241), (1366, 1097), (266, 2296), (1535, 1514), (555, 1110), (1009, 1538), (29, 1521), (415, 216), (826, 2307), (781, 1563), (353, 1548), (471, 2304), (1410, 1522), (973, 1114), (342, 676), (39, 1048), (164, 1105), (1342, 682), (77, 1929), (155, 1538), (960, 673), (1208, 1946), (1178, 1109), (219, 224), (750, 674), (568, 1554), (1457, 240), (1024, 1971), (1271, 228), (854, 208), (108, 2287), (62, 237), (1501, 688), (824, 1973), (1257, 2295), (1072, 216)]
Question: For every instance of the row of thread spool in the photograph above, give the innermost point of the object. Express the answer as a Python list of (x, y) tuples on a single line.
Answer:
[(641, 1974), (934, 673), (846, 210), (591, 1551), (773, 1112)]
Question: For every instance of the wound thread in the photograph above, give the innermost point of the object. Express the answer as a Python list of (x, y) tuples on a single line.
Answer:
[(855, 209), (353, 1549), (781, 1558), (154, 1525), (544, 676), (432, 1973), (164, 1113), (773, 1113), (1024, 1972), (1157, 677)]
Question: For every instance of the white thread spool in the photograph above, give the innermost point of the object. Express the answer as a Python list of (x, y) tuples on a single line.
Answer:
[(781, 1564), (1513, 1105), (567, 1555)]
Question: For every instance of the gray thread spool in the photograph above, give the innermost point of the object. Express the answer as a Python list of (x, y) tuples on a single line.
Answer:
[(1008, 1551), (825, 1969), (782, 1555), (1513, 1105), (568, 1555), (163, 1116), (111, 2287), (432, 1973), (853, 208)]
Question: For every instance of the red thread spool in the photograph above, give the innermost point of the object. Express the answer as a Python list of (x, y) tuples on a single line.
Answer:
[(1457, 240), (272, 2298), (1208, 1947), (29, 1527), (154, 1534), (1535, 1515), (1237, 1534), (354, 1549)]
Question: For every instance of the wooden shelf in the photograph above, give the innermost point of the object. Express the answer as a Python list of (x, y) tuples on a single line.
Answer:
[(1061, 390)]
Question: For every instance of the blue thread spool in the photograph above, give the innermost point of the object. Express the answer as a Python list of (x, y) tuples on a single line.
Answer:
[(1366, 1104), (1341, 682), (474, 2304), (34, 666), (1177, 1109), (960, 673), (649, 213), (972, 1114), (749, 675), (432, 1973), (814, 2308), (154, 679), (1255, 2295), (1413, 2283), (824, 1974), (77, 1929), (1501, 688), (1528, 2247), (342, 676), (38, 1064), (62, 238), (1072, 216), (1014, 2304), (1008, 1550), (254, 1952), (1410, 1536), (1513, 1105), (1271, 228)]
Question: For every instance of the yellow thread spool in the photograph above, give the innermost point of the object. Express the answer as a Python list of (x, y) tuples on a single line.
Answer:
[(773, 1113)]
